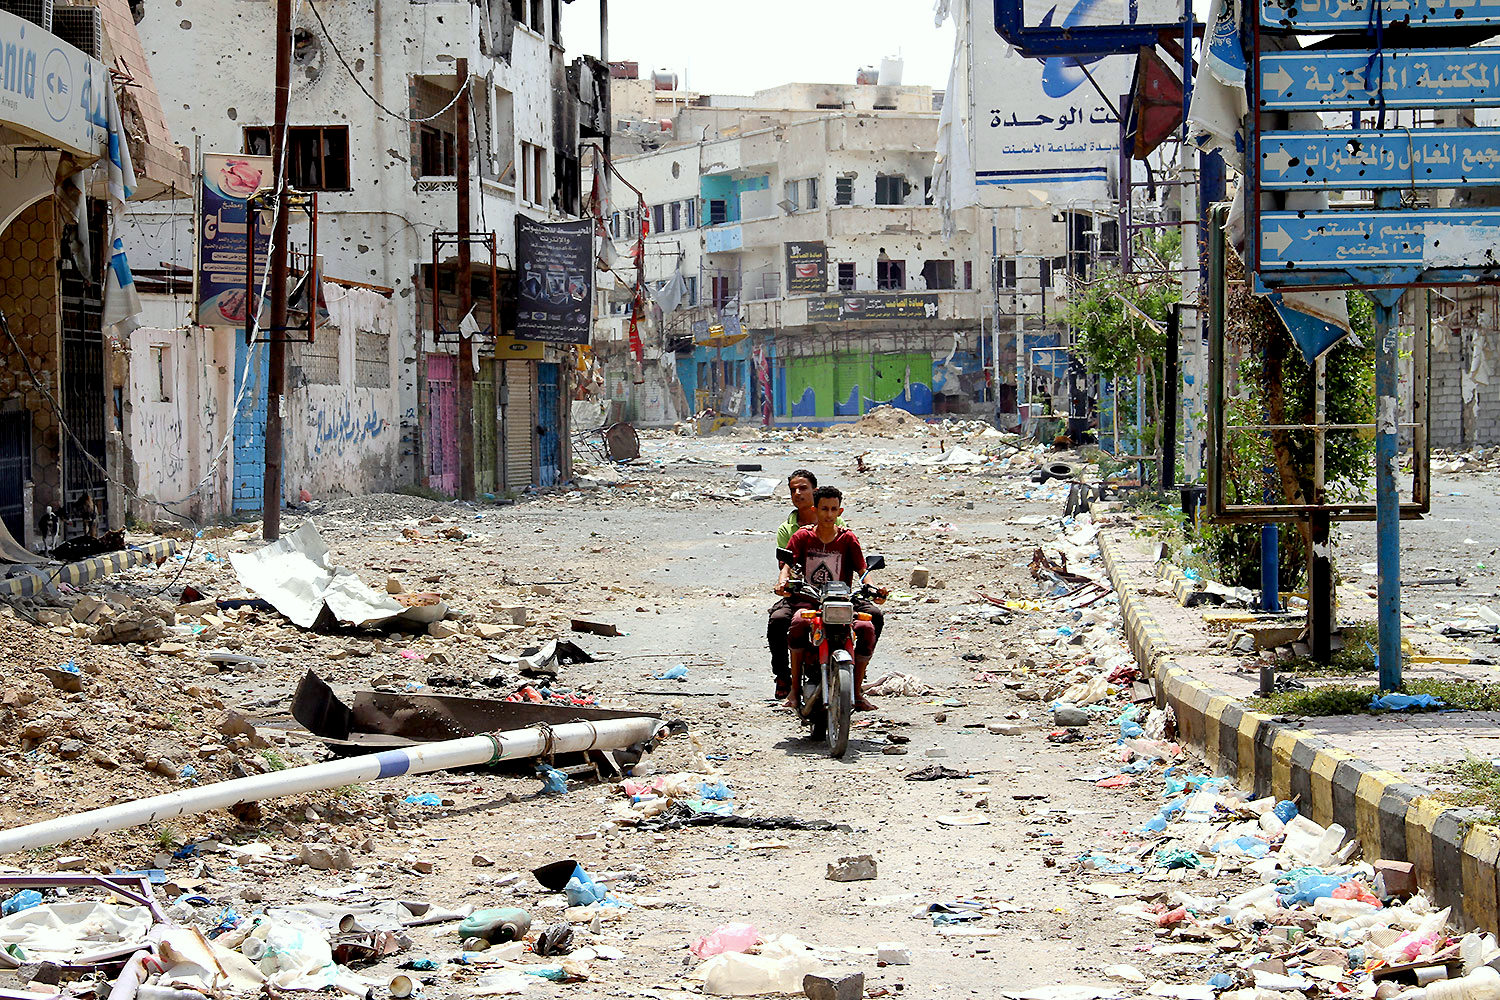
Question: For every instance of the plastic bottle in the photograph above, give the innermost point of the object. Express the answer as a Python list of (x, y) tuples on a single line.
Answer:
[(495, 926), (1256, 904), (1481, 984), (1335, 908), (728, 938)]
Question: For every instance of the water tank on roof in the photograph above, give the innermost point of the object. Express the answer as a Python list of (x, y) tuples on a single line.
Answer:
[(890, 72), (665, 123), (663, 80), (867, 76)]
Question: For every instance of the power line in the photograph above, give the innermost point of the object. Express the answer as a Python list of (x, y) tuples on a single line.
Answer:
[(361, 85)]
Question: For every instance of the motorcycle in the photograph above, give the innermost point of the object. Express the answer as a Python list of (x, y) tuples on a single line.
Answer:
[(825, 700)]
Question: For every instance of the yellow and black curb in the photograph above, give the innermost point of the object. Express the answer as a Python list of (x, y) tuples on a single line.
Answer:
[(1457, 858), (78, 573)]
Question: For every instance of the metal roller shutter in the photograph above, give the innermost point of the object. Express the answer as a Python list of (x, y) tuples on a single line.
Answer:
[(520, 425)]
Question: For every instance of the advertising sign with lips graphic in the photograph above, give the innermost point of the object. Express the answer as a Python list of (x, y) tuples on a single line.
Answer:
[(556, 286), (228, 182), (806, 268), (832, 308)]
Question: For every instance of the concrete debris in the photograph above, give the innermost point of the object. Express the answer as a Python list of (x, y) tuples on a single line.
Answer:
[(857, 868)]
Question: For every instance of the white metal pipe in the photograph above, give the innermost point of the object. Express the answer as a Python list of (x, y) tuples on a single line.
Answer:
[(610, 734)]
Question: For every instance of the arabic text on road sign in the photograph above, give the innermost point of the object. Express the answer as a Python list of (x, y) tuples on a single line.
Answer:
[(1431, 238), (1407, 78), (1423, 158), (1354, 15)]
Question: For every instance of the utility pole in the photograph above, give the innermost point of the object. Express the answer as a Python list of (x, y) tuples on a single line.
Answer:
[(465, 298), (280, 233), (609, 78)]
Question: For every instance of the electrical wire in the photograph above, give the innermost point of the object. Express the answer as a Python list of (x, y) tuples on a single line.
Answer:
[(103, 470), (361, 84)]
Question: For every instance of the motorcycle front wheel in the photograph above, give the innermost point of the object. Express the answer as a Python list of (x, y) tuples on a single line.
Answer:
[(840, 705)]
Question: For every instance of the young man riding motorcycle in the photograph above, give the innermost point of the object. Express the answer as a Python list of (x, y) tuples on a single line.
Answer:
[(801, 485), (824, 552)]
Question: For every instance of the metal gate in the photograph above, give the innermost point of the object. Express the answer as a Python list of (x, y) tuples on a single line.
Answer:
[(15, 469), (520, 425), (442, 423), (549, 426), (486, 428), (83, 395)]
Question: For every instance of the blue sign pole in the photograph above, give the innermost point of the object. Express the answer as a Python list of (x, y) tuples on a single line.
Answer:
[(1387, 501)]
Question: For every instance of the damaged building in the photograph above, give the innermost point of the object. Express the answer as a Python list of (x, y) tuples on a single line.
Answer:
[(797, 260), (372, 394), (75, 81)]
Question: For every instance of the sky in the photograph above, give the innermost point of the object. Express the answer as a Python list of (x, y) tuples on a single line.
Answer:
[(720, 47)]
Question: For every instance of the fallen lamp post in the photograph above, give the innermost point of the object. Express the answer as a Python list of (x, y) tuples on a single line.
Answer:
[(609, 734)]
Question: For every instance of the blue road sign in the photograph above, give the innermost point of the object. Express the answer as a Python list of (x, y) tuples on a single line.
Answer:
[(1355, 15), (1328, 80), (1424, 238), (1420, 158)]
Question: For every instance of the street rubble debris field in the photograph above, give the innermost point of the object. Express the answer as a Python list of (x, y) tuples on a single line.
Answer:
[(1048, 839)]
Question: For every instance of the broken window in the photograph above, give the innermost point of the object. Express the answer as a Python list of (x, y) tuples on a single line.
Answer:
[(789, 201), (1045, 271), (718, 211), (614, 224), (968, 274), (538, 22), (812, 193), (890, 275), (533, 174), (843, 190), (438, 152), (659, 218), (1004, 273), (317, 155), (161, 364), (927, 190), (676, 216), (690, 213), (938, 274), (890, 189), (846, 276)]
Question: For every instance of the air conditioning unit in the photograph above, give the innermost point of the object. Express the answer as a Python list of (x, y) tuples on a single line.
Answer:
[(80, 27), (38, 12)]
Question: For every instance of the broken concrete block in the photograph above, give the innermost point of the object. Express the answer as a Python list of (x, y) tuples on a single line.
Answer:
[(394, 586), (856, 868), (921, 577), (1398, 878), (326, 857), (442, 630), (1070, 717), (595, 628), (516, 614), (64, 680), (1003, 728), (485, 630), (834, 987), (892, 953), (482, 861), (131, 626)]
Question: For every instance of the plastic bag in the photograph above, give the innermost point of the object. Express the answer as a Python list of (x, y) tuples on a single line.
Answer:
[(728, 938), (1356, 890)]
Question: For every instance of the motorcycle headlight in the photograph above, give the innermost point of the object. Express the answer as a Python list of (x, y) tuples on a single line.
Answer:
[(838, 614)]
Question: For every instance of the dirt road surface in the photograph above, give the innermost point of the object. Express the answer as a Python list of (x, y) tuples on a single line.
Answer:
[(665, 551)]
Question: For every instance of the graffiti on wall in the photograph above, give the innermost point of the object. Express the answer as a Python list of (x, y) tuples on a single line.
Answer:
[(337, 428)]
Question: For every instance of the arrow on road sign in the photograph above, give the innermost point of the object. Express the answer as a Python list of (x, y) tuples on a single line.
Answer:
[(1280, 81), (1276, 242), (1277, 161)]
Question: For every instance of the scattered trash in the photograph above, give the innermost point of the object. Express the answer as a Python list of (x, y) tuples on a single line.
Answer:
[(728, 938), (895, 683), (1404, 702), (554, 782)]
